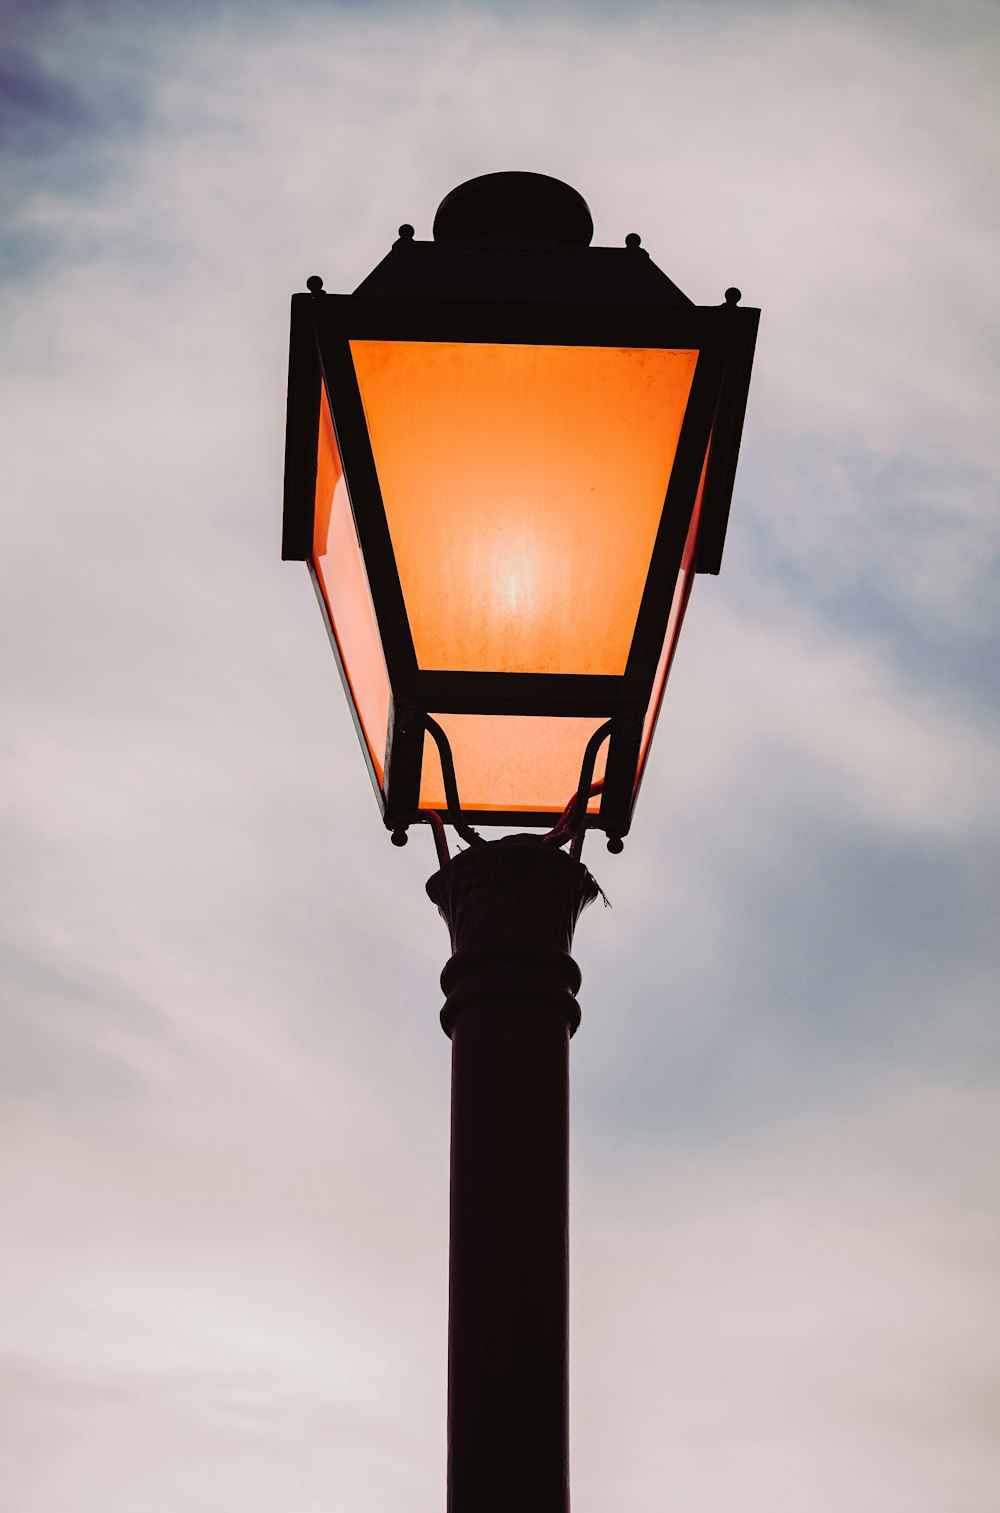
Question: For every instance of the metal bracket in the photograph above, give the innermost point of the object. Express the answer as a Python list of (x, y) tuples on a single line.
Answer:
[(571, 823), (453, 813)]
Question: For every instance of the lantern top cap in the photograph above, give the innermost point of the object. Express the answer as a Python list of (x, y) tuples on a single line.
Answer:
[(514, 209)]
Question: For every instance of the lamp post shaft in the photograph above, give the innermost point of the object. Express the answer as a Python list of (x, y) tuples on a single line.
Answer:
[(507, 1330), (511, 1007)]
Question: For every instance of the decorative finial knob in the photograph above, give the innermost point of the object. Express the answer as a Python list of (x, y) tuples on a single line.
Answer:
[(399, 837), (406, 232), (633, 241), (514, 209), (615, 844), (315, 284), (733, 296)]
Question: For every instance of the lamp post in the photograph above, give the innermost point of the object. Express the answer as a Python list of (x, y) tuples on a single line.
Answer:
[(508, 454)]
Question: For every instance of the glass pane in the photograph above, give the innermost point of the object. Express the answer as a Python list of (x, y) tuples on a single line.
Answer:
[(511, 761), (682, 593), (344, 584), (523, 488)]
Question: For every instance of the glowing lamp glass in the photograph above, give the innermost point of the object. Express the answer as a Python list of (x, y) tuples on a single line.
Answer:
[(343, 584), (678, 608), (528, 763), (523, 487)]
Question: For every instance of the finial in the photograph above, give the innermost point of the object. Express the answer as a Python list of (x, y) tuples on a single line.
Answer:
[(514, 209), (315, 284), (406, 232), (633, 241), (733, 296), (615, 844), (399, 836)]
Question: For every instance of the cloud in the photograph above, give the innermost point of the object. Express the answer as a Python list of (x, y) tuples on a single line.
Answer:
[(791, 1322), (225, 1087)]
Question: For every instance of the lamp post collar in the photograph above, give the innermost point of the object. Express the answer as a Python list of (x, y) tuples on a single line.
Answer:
[(511, 891)]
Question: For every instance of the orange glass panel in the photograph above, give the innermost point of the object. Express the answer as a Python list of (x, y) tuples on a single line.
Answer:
[(344, 585), (523, 488), (511, 761), (678, 605)]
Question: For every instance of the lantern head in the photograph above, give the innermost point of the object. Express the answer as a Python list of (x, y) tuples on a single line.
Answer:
[(508, 455)]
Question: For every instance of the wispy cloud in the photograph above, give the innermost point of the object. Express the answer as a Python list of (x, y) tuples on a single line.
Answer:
[(224, 1089)]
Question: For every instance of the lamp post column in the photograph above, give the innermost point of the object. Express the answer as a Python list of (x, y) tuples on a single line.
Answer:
[(511, 907)]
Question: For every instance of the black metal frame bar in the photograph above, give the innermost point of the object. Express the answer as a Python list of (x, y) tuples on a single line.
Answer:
[(301, 432), (727, 433)]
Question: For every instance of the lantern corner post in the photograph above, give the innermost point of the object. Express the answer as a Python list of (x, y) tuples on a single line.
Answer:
[(511, 907)]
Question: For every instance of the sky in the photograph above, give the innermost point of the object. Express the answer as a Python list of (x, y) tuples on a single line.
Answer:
[(223, 1172)]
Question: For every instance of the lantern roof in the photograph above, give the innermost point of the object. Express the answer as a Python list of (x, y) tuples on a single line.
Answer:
[(519, 237)]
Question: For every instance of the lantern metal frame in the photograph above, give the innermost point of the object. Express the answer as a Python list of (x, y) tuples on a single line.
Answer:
[(323, 327)]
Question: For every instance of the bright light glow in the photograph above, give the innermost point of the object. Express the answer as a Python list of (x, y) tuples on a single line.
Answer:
[(523, 487), (514, 581)]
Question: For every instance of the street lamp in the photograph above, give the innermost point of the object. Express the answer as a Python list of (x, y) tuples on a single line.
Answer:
[(508, 454)]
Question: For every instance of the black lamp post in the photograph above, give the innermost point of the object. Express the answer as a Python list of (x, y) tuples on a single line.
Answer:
[(508, 455)]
